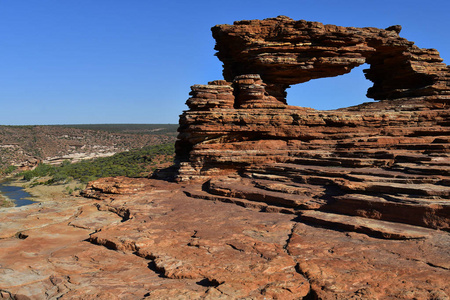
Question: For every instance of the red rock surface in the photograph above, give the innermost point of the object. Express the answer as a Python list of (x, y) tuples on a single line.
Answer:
[(387, 160), (171, 246), (382, 168), (286, 52)]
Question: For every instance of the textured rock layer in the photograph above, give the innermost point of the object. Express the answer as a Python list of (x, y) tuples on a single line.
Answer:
[(386, 160), (286, 52), (155, 242)]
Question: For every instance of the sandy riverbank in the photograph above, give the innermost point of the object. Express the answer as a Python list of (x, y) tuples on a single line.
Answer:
[(5, 202)]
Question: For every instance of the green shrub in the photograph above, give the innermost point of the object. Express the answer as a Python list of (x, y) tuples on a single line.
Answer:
[(40, 171), (9, 170), (131, 164), (69, 190), (60, 177)]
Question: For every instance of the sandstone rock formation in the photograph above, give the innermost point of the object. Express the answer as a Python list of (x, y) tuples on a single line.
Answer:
[(286, 52), (381, 168), (387, 160)]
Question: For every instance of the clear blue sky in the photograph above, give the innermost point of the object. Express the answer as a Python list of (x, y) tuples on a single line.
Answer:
[(133, 61)]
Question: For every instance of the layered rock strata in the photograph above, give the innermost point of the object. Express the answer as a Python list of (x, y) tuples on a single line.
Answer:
[(286, 52), (387, 160)]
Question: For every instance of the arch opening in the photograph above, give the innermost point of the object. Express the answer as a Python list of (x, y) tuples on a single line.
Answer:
[(332, 92)]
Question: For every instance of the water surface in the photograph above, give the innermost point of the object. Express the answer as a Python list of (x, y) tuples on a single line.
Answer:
[(15, 194)]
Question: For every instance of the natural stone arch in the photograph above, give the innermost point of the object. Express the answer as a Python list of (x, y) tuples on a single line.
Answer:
[(331, 93), (285, 52), (246, 117)]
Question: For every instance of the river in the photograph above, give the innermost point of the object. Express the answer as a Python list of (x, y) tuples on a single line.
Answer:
[(15, 194)]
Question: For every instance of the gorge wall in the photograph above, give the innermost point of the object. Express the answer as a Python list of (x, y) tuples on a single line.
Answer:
[(27, 146), (384, 160)]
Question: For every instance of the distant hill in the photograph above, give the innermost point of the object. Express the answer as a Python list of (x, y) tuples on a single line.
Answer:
[(129, 128), (28, 145)]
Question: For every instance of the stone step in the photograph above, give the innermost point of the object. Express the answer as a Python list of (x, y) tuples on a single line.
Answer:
[(413, 168), (199, 194), (434, 147), (390, 173), (295, 170), (369, 180), (399, 180), (259, 174), (377, 181), (289, 187), (432, 131), (377, 228), (338, 157), (420, 211), (416, 158), (386, 187), (442, 139), (363, 153), (354, 162), (247, 191)]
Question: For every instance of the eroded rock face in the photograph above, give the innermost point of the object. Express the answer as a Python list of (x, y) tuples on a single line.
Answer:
[(286, 52), (387, 160)]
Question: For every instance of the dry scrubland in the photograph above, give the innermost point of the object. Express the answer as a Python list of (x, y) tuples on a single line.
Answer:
[(49, 151), (26, 145)]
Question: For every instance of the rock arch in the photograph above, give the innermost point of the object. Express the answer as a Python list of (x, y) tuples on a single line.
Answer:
[(331, 93), (286, 52), (366, 168), (241, 127)]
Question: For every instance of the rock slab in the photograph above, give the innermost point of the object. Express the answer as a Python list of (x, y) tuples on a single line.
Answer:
[(172, 246)]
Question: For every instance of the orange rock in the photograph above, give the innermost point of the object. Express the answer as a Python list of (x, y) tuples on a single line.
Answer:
[(388, 160), (176, 246)]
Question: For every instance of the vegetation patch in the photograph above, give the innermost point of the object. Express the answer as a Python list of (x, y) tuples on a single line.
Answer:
[(8, 170), (5, 202), (26, 145), (134, 163)]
